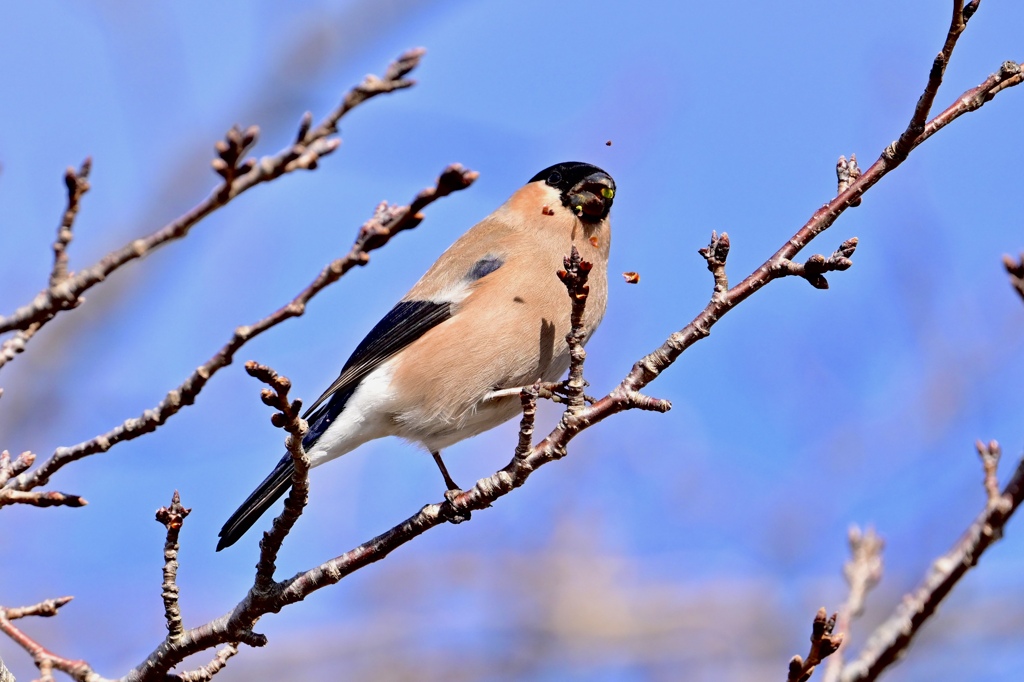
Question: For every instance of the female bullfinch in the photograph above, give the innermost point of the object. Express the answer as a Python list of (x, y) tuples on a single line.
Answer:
[(490, 314)]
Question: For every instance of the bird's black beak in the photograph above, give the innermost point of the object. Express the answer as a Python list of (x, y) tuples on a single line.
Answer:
[(591, 198)]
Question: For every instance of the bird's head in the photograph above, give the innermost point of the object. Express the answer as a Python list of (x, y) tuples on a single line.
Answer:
[(585, 190)]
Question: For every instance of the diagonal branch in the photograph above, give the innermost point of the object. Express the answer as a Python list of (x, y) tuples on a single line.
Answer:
[(957, 23), (387, 221), (77, 183), (239, 176), (889, 641), (45, 660)]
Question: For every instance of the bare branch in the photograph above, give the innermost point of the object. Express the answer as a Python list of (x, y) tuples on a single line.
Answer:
[(77, 183), (574, 277), (387, 221), (9, 469), (45, 660), (891, 639), (648, 368), (239, 176), (716, 253), (206, 673), (813, 268), (823, 644), (172, 518), (529, 398), (901, 147), (288, 418)]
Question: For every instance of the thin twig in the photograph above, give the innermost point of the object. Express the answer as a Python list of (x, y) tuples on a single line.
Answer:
[(206, 672), (172, 518), (240, 177), (906, 141), (10, 469), (823, 644), (77, 183), (574, 277), (387, 221), (45, 660), (528, 396), (289, 418)]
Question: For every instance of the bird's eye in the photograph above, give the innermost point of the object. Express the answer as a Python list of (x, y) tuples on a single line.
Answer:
[(554, 178)]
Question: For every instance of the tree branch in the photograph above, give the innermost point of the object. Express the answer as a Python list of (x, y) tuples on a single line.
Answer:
[(238, 177), (9, 469), (388, 220), (45, 660), (77, 183), (888, 642)]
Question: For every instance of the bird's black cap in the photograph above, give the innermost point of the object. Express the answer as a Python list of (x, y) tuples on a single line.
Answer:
[(564, 176)]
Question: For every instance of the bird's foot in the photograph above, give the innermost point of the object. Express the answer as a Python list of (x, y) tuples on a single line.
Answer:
[(448, 511)]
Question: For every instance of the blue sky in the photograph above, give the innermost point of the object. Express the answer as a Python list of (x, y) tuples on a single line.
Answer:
[(804, 411)]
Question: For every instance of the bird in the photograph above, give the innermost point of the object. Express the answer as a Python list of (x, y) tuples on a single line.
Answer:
[(489, 315)]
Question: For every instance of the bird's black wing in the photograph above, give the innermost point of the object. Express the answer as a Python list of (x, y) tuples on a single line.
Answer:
[(406, 322)]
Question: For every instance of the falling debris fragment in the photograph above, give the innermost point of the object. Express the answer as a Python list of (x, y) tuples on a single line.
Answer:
[(547, 210), (631, 277), (608, 143)]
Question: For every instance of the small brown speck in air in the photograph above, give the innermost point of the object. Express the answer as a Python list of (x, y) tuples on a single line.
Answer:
[(608, 143), (631, 277), (546, 210)]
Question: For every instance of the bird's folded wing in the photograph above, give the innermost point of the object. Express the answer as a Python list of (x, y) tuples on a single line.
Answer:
[(406, 322)]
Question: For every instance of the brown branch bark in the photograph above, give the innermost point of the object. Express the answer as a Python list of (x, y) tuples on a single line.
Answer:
[(890, 640), (77, 183), (9, 469), (387, 221), (239, 176)]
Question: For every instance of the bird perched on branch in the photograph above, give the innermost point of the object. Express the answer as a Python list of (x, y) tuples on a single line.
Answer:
[(490, 314)]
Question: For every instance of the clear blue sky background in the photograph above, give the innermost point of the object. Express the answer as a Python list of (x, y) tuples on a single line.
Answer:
[(804, 412)]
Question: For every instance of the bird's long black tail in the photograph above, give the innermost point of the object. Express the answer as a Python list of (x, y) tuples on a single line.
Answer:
[(266, 494)]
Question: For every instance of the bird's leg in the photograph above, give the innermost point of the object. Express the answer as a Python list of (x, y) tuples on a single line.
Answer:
[(453, 490), (452, 486)]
